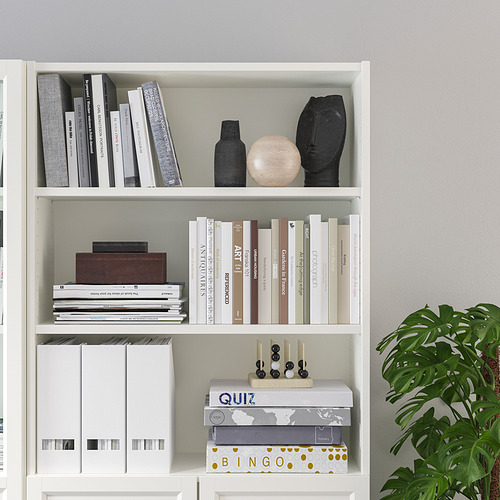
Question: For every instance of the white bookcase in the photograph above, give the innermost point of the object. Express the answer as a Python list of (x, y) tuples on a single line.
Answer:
[(266, 98)]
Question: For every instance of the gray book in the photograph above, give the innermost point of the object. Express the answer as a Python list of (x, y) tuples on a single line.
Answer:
[(130, 167), (162, 136), (82, 143), (54, 98), (281, 416), (281, 434)]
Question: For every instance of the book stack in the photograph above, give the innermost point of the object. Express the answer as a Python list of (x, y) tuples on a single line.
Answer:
[(277, 430), (93, 141), (295, 272), (82, 303)]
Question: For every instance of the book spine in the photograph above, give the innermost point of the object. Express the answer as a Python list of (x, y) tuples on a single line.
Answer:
[(314, 221), (275, 282), (218, 281), (276, 435), (82, 143), (103, 167), (276, 416), (116, 140), (254, 269), (202, 270), (110, 104), (89, 112), (264, 274), (116, 294), (299, 272), (324, 273), (307, 268), (237, 272), (332, 271), (141, 138), (354, 267), (343, 312), (54, 96), (130, 168), (71, 152), (162, 136), (193, 272), (291, 272), (164, 287), (246, 273), (210, 272), (283, 270), (227, 272)]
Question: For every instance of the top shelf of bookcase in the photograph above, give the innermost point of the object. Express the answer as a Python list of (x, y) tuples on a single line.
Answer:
[(200, 193)]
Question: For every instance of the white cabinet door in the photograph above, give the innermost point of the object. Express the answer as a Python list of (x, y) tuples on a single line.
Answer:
[(81, 487), (281, 487)]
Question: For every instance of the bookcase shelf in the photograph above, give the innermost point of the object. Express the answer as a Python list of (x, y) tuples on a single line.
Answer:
[(267, 99)]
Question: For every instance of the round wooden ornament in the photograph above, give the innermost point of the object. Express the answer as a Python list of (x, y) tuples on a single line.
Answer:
[(273, 161)]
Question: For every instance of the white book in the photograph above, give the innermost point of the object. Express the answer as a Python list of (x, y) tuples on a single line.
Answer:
[(299, 272), (330, 393), (103, 408), (218, 281), (101, 139), (324, 273), (353, 222), (141, 138), (344, 312), (210, 271), (227, 272), (116, 142), (117, 294), (130, 168), (291, 272), (71, 151), (246, 273), (332, 271), (171, 286), (58, 407), (150, 407), (265, 272), (202, 270), (315, 232), (193, 271)]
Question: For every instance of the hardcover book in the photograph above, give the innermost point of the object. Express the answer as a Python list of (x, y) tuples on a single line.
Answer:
[(82, 143), (130, 168), (89, 119), (238, 272), (264, 270), (254, 271), (227, 272), (210, 271), (193, 272), (275, 282), (162, 135), (332, 393), (71, 152), (116, 141), (201, 306), (246, 273), (332, 271), (315, 275), (272, 416), (283, 435), (299, 272), (290, 459), (54, 98), (353, 223), (283, 271), (121, 268), (343, 313)]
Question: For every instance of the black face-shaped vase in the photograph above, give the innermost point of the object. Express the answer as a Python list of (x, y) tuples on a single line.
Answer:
[(320, 139), (230, 161)]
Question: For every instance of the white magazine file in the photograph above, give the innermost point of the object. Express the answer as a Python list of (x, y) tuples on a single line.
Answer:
[(150, 408), (58, 408), (103, 408)]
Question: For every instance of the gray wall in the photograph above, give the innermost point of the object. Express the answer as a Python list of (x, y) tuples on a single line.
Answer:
[(435, 123)]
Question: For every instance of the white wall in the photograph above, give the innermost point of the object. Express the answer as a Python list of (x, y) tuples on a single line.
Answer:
[(435, 123)]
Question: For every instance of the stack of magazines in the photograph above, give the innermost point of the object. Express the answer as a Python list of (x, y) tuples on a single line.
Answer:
[(80, 303)]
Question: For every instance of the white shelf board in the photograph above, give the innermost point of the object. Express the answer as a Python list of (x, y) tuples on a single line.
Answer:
[(200, 193), (187, 329)]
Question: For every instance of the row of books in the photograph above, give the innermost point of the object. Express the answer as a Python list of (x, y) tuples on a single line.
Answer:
[(277, 430), (82, 303), (93, 141), (296, 272), (106, 408)]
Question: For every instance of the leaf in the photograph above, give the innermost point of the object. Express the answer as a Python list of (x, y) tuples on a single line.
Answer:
[(487, 409), (485, 323), (467, 455), (431, 481)]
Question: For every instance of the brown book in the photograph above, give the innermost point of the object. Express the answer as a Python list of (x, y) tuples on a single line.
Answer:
[(254, 272), (121, 268), (283, 270), (238, 272)]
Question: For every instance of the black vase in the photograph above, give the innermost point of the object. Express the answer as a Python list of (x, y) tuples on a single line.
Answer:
[(320, 139), (230, 162)]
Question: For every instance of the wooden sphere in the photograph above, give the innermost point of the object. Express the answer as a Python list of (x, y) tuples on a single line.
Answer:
[(273, 160)]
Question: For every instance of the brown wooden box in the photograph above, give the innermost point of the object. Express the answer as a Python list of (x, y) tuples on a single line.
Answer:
[(121, 268)]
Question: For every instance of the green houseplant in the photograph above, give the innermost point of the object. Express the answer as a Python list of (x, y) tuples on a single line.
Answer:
[(442, 368)]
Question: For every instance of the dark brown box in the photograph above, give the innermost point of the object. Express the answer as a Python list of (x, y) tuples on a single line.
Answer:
[(121, 268)]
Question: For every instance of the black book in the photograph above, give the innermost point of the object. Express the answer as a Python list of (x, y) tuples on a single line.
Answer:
[(89, 112)]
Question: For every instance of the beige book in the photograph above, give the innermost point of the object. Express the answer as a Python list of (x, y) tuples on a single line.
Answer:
[(332, 271), (343, 274), (299, 272), (238, 272)]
